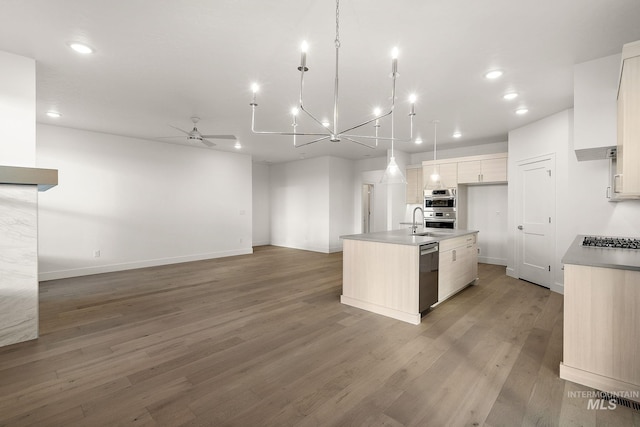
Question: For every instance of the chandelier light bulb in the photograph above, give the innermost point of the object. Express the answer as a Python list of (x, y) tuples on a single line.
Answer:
[(304, 47), (255, 88), (412, 98), (377, 111), (418, 140), (394, 53), (237, 145), (294, 111)]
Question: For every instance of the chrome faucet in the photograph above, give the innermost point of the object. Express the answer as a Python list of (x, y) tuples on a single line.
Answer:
[(414, 226)]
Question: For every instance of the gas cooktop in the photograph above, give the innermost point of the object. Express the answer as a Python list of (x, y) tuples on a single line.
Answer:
[(611, 242)]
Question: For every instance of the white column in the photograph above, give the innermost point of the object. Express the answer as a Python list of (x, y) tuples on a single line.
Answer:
[(18, 203)]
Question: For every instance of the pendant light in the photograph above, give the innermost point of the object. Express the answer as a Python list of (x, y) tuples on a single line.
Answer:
[(392, 174)]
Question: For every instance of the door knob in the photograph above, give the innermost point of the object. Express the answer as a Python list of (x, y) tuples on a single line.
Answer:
[(520, 227)]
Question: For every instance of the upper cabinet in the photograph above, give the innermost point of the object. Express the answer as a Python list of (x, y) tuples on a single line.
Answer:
[(415, 193), (446, 170), (627, 180), (484, 169), (595, 87)]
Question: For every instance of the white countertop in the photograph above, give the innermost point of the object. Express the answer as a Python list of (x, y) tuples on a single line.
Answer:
[(403, 236)]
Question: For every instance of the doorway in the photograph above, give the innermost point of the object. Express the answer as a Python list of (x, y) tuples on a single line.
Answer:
[(535, 235), (367, 205)]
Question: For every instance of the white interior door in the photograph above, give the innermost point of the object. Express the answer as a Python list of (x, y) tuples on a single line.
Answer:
[(535, 229)]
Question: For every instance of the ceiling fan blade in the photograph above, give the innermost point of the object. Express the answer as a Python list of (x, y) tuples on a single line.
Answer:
[(220, 136), (208, 143), (183, 131)]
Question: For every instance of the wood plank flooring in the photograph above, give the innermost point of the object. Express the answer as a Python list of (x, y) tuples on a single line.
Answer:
[(262, 340)]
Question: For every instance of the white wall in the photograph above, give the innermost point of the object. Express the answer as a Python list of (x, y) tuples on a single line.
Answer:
[(445, 152), (550, 135), (310, 203), (341, 179), (487, 209), (17, 110), (261, 205), (370, 171), (138, 202)]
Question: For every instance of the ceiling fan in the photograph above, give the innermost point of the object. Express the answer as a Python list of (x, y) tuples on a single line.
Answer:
[(195, 135)]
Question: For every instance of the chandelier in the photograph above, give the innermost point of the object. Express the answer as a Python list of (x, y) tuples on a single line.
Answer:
[(331, 131)]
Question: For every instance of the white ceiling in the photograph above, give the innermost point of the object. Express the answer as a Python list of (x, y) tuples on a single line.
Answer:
[(158, 62)]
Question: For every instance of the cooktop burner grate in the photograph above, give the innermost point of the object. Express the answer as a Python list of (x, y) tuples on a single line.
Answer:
[(611, 242)]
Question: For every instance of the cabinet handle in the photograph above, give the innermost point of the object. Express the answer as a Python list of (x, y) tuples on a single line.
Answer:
[(453, 254), (615, 182)]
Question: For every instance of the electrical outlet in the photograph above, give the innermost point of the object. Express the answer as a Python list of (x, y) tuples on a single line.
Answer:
[(96, 253)]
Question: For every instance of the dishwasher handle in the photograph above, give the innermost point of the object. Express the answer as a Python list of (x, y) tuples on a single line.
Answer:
[(428, 249)]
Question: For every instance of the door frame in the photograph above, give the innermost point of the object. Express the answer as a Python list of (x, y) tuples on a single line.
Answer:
[(519, 216), (371, 186)]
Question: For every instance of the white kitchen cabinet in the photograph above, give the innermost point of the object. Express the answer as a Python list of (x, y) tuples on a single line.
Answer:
[(627, 180), (448, 173), (415, 191), (458, 265), (489, 170)]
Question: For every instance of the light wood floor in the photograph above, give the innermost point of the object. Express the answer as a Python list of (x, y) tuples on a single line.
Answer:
[(262, 340)]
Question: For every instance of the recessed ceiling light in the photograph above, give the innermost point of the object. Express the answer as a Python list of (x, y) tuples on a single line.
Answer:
[(237, 145), (81, 48), (493, 74), (522, 111), (53, 114), (509, 96), (418, 140), (457, 135)]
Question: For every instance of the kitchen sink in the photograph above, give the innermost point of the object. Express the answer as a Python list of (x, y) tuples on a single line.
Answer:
[(431, 234)]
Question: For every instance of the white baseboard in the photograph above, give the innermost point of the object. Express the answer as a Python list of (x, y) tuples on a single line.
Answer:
[(260, 243), (511, 273), (413, 318), (108, 268), (557, 287), (492, 260)]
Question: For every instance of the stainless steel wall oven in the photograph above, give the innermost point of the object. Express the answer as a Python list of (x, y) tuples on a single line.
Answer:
[(440, 208)]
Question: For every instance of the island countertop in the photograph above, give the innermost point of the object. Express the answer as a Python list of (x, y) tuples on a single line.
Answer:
[(624, 259), (403, 236)]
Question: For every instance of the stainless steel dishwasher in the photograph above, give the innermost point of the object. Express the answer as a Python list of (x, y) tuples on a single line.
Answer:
[(428, 281)]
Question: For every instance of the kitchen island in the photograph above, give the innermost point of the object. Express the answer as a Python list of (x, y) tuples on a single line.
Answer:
[(381, 271), (601, 339)]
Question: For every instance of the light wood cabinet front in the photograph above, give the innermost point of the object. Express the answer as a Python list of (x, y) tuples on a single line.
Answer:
[(448, 173), (627, 180), (415, 192), (458, 265), (601, 328), (482, 171)]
